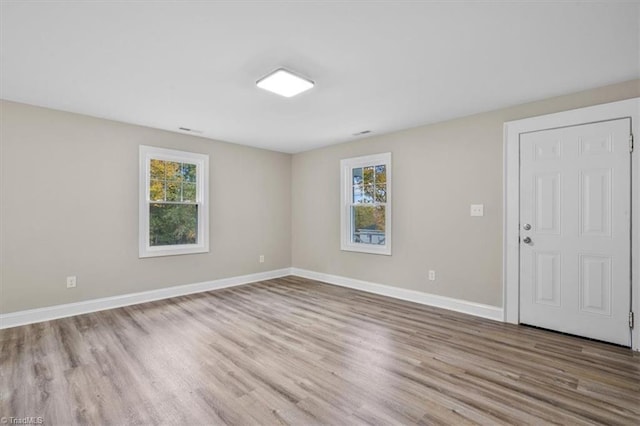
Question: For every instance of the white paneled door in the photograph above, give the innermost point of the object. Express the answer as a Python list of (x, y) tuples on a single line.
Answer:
[(575, 230)]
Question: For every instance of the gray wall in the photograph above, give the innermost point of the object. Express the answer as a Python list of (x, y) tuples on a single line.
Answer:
[(438, 171), (69, 206)]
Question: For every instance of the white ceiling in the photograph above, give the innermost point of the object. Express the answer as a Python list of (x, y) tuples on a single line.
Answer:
[(379, 66)]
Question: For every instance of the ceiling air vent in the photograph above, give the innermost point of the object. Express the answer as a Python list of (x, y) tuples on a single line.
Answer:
[(186, 129)]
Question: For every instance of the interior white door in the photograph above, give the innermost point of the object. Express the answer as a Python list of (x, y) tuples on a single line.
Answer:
[(575, 230)]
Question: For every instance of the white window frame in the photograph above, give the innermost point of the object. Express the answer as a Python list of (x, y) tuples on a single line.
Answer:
[(147, 153), (346, 223)]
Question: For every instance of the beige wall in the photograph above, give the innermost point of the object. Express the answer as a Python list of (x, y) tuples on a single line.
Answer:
[(69, 194), (438, 171)]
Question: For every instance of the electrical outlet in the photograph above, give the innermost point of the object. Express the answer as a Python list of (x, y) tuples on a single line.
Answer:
[(261, 259), (432, 275), (71, 282), (477, 209)]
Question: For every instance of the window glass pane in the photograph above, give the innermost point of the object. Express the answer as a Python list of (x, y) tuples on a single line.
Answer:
[(189, 172), (381, 193), (368, 224), (173, 191), (363, 194), (171, 224), (357, 176), (173, 171), (367, 175), (381, 174), (156, 190), (358, 194), (368, 194), (188, 192), (157, 169)]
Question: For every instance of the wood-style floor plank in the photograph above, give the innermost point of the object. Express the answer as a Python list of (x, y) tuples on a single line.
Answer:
[(291, 351)]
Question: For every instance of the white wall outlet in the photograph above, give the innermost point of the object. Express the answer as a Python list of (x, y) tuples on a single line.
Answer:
[(261, 259), (477, 209), (432, 275), (71, 282)]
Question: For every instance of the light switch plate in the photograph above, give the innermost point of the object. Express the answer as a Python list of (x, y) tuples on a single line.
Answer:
[(477, 209)]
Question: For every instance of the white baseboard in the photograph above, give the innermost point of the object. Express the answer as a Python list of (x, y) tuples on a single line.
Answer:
[(471, 308), (31, 316), (48, 313)]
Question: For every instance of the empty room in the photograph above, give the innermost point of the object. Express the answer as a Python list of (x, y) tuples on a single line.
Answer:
[(319, 212)]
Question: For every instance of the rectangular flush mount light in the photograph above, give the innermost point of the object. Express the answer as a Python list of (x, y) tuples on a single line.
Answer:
[(284, 83)]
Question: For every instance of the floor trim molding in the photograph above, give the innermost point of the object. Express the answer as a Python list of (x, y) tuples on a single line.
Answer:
[(31, 316), (477, 309)]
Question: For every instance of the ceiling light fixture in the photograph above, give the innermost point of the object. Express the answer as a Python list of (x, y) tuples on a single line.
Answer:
[(284, 83)]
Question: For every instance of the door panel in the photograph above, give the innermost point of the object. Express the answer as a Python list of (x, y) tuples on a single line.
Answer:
[(575, 198), (547, 203), (595, 203), (547, 278), (595, 284)]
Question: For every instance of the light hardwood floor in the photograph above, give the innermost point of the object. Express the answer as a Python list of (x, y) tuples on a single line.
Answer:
[(294, 351)]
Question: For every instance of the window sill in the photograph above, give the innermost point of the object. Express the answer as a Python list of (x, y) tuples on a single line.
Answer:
[(171, 251), (365, 248)]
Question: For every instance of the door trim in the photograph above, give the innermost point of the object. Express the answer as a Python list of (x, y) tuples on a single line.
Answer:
[(511, 195)]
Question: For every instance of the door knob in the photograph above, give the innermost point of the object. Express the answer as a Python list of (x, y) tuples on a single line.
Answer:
[(526, 240), (526, 227)]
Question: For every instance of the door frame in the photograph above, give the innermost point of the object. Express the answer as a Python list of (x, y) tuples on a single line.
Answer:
[(629, 108)]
